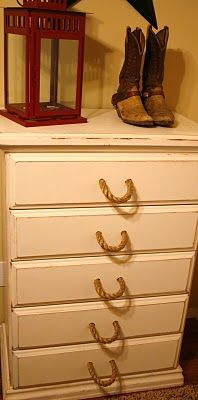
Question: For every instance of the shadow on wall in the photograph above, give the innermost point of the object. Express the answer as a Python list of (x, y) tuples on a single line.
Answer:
[(102, 64), (101, 73), (173, 76), (100, 77), (94, 72), (180, 83), (190, 86)]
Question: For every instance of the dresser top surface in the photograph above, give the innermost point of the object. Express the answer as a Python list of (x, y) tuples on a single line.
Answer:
[(103, 128)]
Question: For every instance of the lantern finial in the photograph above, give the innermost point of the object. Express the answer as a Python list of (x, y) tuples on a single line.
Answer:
[(57, 5)]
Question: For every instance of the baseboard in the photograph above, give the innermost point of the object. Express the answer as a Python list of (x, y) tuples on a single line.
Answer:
[(192, 312)]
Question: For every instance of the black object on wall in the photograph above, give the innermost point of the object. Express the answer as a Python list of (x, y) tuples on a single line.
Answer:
[(144, 7)]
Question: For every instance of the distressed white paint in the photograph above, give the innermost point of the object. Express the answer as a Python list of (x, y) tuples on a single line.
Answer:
[(145, 275), (66, 232), (69, 363), (66, 324), (50, 234), (73, 178), (104, 128), (69, 391)]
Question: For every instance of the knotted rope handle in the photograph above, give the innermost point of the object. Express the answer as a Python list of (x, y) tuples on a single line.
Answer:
[(102, 382), (101, 339), (107, 296), (106, 247), (107, 192)]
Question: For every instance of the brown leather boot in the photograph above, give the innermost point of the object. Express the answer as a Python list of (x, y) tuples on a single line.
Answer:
[(153, 75), (127, 100)]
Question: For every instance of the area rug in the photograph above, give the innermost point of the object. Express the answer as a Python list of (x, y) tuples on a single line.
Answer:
[(187, 392)]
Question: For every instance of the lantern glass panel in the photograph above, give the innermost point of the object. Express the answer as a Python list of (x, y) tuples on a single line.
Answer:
[(17, 71), (58, 74)]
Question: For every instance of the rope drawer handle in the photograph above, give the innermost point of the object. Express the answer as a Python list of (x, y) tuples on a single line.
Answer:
[(107, 296), (101, 339), (102, 382), (105, 246), (107, 192)]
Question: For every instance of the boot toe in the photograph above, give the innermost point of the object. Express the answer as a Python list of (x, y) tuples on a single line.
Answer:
[(163, 118), (163, 121), (135, 120), (158, 110), (131, 111)]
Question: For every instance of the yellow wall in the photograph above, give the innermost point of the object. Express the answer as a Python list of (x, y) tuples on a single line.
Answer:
[(104, 49), (105, 32)]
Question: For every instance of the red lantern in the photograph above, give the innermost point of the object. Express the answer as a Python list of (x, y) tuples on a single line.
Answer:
[(44, 48)]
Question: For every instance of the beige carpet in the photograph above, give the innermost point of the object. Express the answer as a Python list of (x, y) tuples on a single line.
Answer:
[(187, 392)]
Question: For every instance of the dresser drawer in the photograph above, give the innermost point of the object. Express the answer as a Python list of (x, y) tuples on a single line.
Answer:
[(69, 363), (70, 324), (56, 281), (73, 178), (57, 233)]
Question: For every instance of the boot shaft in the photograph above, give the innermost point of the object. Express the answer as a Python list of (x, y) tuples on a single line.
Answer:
[(129, 76), (153, 75), (156, 44), (134, 48)]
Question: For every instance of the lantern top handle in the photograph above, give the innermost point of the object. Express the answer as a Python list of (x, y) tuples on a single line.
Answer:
[(44, 4)]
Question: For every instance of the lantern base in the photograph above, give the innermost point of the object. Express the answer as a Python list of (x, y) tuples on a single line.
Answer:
[(42, 122)]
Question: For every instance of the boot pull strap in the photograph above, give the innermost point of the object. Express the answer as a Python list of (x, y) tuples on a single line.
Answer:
[(119, 96), (132, 92)]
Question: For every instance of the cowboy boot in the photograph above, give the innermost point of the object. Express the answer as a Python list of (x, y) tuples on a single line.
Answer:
[(127, 100), (153, 75)]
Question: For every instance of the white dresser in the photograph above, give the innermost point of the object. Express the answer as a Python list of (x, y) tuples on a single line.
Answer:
[(100, 227)]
